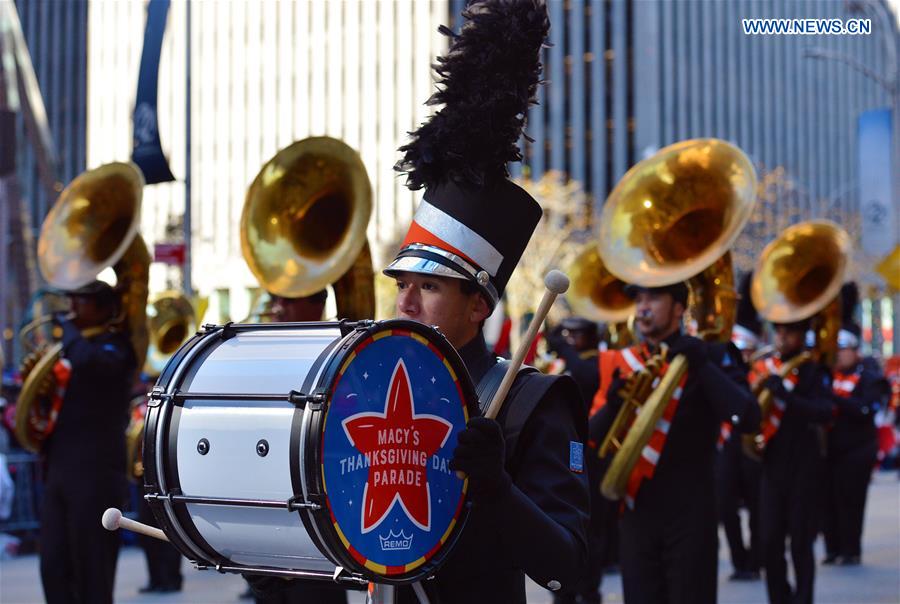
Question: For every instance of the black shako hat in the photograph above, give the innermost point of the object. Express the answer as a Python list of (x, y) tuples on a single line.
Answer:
[(99, 290), (474, 223), (850, 334), (747, 326), (679, 291)]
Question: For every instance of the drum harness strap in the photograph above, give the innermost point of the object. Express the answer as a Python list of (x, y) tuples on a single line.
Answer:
[(513, 417)]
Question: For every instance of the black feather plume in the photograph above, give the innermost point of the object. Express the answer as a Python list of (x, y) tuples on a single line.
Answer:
[(487, 81), (747, 316)]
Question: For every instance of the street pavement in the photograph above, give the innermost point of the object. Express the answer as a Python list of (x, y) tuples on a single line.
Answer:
[(877, 581)]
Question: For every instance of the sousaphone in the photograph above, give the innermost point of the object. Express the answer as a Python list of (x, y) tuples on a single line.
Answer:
[(596, 294), (303, 226), (799, 276), (673, 217)]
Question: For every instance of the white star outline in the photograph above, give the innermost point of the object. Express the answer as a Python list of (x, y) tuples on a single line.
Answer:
[(372, 414)]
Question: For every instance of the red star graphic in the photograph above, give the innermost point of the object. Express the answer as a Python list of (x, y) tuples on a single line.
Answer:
[(398, 444)]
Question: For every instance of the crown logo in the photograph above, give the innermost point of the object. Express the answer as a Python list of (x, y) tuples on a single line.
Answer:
[(395, 541)]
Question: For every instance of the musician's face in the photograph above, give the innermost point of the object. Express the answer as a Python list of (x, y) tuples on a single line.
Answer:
[(789, 340), (290, 310), (846, 359), (657, 315), (441, 302), (88, 312)]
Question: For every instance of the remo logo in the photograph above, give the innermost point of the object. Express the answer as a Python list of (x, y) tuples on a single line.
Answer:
[(389, 435)]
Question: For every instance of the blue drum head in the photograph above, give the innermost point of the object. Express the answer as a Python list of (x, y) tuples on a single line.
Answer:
[(399, 400)]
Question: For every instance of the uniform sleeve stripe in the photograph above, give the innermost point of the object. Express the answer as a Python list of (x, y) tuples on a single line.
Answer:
[(632, 360)]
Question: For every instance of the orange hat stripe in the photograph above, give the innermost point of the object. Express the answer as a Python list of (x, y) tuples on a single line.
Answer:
[(418, 234)]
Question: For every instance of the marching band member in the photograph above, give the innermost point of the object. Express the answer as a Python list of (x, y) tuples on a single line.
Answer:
[(163, 559), (668, 545), (270, 590), (298, 310), (857, 392), (527, 484), (85, 453), (738, 474), (575, 342), (793, 464), (526, 472)]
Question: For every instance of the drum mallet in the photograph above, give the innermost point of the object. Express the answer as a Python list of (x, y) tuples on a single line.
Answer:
[(556, 283), (113, 519)]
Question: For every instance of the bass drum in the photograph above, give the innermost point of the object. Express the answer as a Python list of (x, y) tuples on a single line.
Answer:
[(315, 450)]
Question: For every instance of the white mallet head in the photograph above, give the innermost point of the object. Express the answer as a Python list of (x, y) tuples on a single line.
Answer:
[(111, 518), (556, 281)]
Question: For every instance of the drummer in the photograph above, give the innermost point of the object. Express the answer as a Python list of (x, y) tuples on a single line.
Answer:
[(526, 472)]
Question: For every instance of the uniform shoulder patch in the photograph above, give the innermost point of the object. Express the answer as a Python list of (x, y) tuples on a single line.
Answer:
[(576, 456)]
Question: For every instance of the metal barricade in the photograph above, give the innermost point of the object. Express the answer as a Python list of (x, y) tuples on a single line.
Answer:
[(26, 472)]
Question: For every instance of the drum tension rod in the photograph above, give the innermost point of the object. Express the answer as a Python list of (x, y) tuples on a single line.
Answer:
[(291, 505)]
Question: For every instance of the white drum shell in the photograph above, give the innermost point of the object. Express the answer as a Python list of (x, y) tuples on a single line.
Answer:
[(252, 362)]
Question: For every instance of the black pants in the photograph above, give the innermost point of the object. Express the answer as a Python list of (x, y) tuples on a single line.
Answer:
[(847, 482), (78, 556), (738, 481), (790, 509), (669, 558), (163, 560)]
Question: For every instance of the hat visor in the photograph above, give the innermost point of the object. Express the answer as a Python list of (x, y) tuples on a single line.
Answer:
[(422, 266)]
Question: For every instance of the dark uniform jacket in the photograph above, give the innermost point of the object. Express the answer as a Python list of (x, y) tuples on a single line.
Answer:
[(90, 429), (686, 467), (854, 425), (798, 445), (582, 366), (540, 527)]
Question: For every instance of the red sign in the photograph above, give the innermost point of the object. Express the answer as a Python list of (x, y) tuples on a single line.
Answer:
[(169, 253)]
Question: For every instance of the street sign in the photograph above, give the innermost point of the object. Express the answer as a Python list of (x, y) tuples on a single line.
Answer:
[(169, 253)]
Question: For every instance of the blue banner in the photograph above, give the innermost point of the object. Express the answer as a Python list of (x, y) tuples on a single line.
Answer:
[(147, 152), (878, 222)]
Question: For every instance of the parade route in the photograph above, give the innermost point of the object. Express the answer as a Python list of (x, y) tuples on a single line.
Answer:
[(877, 581)]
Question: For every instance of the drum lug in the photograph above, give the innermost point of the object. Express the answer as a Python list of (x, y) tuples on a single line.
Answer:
[(313, 401), (347, 327), (158, 397), (228, 331)]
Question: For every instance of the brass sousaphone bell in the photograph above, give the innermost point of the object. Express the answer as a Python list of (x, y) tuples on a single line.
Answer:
[(171, 319), (93, 225), (798, 276), (303, 226), (672, 218), (596, 293)]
